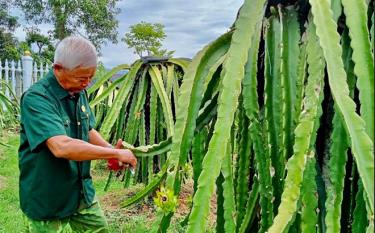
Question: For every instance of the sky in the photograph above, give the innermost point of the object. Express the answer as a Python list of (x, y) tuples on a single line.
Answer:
[(189, 25)]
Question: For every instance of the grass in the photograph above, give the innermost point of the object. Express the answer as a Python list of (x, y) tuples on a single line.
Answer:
[(11, 217), (137, 218)]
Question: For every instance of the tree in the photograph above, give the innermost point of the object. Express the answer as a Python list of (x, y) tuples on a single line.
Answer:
[(8, 46), (94, 19), (8, 43), (161, 52), (33, 36), (8, 23), (46, 49), (48, 53), (147, 37)]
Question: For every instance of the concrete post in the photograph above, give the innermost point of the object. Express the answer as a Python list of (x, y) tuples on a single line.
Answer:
[(27, 71)]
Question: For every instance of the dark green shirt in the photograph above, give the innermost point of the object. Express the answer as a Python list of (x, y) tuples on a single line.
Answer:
[(51, 187)]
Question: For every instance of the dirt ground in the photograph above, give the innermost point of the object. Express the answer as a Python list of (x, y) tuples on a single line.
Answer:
[(111, 204)]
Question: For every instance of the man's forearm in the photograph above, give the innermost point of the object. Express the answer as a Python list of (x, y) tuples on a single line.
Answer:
[(75, 149), (66, 147), (96, 139)]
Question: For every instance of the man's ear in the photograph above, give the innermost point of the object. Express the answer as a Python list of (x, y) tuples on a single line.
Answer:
[(57, 69)]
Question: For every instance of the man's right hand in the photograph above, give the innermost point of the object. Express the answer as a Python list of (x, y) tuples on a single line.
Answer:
[(126, 156)]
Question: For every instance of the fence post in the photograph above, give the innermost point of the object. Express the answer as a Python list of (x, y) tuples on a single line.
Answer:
[(2, 87), (27, 71), (6, 77), (35, 72), (19, 80), (13, 76)]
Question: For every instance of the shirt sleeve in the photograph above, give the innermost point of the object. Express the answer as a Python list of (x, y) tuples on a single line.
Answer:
[(40, 119), (92, 121)]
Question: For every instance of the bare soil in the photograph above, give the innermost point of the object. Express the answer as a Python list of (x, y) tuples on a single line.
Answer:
[(111, 205)]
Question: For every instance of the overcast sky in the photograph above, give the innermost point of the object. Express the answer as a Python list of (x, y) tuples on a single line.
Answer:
[(189, 25)]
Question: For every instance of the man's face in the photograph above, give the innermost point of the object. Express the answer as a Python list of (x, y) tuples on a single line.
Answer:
[(74, 80)]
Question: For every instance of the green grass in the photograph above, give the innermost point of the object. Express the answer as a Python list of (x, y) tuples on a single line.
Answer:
[(11, 217)]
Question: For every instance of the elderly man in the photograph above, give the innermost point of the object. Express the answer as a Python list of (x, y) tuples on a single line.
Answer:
[(58, 142)]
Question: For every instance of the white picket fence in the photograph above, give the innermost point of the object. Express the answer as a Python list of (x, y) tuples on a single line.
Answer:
[(20, 75)]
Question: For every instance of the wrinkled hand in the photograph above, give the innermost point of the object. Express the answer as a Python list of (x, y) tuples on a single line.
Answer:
[(126, 158)]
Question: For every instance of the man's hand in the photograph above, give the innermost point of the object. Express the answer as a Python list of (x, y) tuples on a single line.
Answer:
[(125, 157)]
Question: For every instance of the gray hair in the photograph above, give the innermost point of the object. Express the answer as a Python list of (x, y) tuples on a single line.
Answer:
[(74, 51)]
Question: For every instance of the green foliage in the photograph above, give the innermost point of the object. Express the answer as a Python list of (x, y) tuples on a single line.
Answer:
[(147, 38), (9, 107), (361, 144), (363, 58), (296, 164), (95, 19), (12, 49), (232, 74), (8, 46), (7, 21), (267, 146), (33, 36), (255, 117), (8, 43), (157, 52), (121, 106), (45, 49)]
